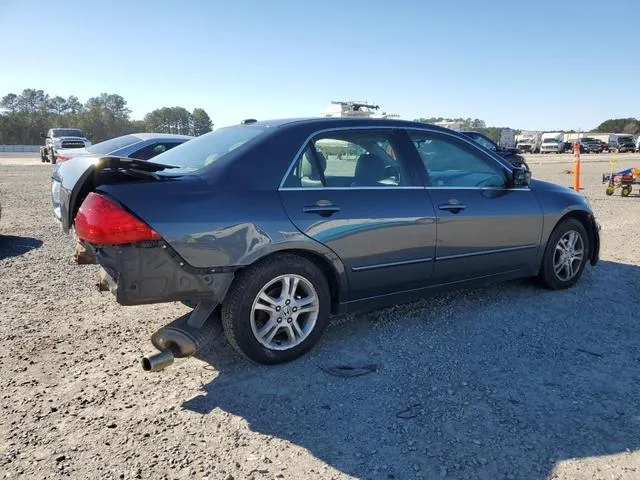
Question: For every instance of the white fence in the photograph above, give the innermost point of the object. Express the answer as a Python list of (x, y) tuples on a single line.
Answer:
[(19, 148)]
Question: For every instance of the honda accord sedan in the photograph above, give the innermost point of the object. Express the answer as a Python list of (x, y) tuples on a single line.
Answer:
[(278, 224)]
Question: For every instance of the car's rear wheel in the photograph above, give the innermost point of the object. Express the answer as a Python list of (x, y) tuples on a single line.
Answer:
[(276, 310), (565, 256)]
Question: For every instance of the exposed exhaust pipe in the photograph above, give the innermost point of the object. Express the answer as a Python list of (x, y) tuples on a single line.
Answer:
[(183, 337), (157, 361)]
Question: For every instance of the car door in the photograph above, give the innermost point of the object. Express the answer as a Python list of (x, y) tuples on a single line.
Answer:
[(356, 191), (485, 227)]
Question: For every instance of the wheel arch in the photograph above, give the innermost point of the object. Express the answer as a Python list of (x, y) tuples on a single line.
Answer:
[(330, 265), (589, 224)]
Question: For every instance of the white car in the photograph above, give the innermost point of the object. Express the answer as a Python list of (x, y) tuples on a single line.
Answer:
[(551, 145)]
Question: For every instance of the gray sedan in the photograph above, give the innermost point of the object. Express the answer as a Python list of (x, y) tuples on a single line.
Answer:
[(278, 224)]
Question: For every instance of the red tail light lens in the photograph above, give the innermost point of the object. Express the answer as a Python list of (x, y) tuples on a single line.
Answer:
[(102, 222)]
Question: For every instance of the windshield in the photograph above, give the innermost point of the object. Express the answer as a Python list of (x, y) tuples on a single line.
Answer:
[(109, 146), (551, 140), (208, 148), (67, 132)]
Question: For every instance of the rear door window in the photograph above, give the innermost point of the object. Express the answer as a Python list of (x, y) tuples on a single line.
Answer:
[(350, 159)]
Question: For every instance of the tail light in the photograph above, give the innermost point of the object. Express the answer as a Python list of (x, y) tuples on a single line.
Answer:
[(61, 158), (103, 222)]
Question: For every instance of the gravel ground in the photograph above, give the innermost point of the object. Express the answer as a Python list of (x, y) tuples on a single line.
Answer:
[(504, 382)]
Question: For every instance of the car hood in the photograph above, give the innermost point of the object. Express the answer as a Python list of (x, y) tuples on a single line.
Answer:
[(508, 151), (80, 139), (540, 186)]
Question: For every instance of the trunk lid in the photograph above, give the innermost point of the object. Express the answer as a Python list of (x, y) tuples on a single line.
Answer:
[(73, 180)]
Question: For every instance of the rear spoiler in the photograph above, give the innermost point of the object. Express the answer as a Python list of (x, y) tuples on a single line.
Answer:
[(126, 163)]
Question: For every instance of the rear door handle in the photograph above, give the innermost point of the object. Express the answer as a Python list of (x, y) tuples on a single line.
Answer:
[(453, 207), (322, 210)]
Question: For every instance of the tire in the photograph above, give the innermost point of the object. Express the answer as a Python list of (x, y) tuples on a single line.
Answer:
[(626, 191), (548, 276), (610, 189), (241, 323)]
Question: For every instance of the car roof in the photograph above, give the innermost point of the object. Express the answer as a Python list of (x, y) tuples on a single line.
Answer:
[(330, 122), (150, 135)]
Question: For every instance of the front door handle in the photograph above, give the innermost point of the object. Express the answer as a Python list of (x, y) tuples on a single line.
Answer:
[(322, 210), (452, 207)]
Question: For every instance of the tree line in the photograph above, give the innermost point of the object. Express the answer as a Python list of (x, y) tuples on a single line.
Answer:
[(24, 116), (619, 125)]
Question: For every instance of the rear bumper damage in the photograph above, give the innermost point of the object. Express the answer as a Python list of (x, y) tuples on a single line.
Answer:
[(151, 272)]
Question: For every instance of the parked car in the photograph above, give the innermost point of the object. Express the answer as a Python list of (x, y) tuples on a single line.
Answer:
[(588, 145), (604, 146), (621, 144), (279, 224), (56, 139), (142, 146), (512, 155), (553, 145)]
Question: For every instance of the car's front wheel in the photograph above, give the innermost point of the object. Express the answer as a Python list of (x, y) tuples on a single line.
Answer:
[(276, 310), (565, 256)]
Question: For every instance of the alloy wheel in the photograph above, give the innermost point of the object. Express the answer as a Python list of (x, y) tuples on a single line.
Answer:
[(568, 255), (284, 312)]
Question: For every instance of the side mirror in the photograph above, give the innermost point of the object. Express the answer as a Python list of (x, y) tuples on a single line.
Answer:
[(520, 177)]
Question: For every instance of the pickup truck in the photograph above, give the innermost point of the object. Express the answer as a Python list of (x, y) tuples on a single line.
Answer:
[(59, 138)]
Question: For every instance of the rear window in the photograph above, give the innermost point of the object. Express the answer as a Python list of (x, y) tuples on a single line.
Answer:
[(112, 145), (206, 149)]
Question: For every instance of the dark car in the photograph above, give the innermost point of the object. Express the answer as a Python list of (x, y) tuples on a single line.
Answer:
[(621, 144), (278, 224), (604, 146), (588, 145), (512, 155)]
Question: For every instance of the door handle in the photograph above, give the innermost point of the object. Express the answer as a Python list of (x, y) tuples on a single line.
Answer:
[(322, 210), (453, 207)]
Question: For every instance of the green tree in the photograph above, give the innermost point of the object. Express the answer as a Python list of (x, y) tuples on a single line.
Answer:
[(10, 102), (58, 105), (169, 120), (618, 125), (200, 122)]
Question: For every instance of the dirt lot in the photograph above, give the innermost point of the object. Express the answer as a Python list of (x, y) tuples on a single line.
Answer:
[(504, 382)]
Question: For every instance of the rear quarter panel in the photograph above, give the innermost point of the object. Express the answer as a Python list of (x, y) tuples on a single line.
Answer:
[(211, 228)]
